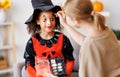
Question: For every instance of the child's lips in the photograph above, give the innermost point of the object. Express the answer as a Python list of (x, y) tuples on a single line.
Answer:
[(49, 27)]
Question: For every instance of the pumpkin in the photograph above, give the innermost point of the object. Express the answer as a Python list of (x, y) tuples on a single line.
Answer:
[(97, 6)]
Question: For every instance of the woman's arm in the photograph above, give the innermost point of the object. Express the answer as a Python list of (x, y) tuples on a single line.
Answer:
[(77, 36)]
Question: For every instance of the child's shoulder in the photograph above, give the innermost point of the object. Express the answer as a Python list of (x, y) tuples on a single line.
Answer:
[(58, 32)]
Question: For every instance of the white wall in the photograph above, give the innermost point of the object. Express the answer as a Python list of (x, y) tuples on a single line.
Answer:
[(22, 9)]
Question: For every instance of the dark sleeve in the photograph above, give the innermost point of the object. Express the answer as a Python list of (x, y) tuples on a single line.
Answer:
[(67, 49), (29, 54)]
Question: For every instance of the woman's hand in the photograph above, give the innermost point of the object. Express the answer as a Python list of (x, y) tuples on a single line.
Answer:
[(62, 16)]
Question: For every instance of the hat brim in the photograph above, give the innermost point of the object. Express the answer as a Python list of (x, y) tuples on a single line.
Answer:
[(44, 8)]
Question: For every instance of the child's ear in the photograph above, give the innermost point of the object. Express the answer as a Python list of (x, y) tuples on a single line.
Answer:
[(37, 21)]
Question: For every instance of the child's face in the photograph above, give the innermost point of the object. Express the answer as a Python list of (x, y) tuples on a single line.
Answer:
[(46, 21)]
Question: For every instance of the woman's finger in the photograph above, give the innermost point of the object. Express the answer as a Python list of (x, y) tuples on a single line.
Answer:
[(61, 14)]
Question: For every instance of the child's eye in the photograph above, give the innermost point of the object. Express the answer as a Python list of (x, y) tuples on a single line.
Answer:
[(52, 19), (44, 20)]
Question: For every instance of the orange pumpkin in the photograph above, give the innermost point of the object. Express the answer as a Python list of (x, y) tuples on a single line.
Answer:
[(97, 6)]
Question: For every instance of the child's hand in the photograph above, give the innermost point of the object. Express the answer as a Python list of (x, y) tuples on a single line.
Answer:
[(62, 16)]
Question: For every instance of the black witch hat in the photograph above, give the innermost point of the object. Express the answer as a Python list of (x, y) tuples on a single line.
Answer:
[(43, 5)]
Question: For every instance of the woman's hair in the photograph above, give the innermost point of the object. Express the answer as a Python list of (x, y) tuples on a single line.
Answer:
[(34, 28), (83, 10)]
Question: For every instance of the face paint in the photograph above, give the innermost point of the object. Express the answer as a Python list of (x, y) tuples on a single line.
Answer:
[(58, 66)]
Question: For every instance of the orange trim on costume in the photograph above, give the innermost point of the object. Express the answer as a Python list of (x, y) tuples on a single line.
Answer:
[(31, 71), (69, 67)]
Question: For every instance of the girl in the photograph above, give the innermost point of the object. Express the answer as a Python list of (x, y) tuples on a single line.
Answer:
[(100, 51), (46, 41)]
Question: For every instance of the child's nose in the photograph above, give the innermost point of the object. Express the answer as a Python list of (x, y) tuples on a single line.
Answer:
[(49, 21)]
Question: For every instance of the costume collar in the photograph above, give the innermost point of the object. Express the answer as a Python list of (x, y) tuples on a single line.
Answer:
[(49, 42)]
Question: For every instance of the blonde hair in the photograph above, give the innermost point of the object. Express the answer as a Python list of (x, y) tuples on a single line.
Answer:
[(83, 10)]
